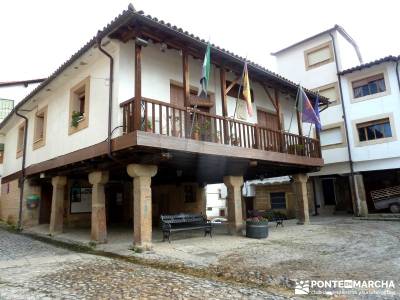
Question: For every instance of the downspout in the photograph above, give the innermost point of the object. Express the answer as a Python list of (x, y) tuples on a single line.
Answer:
[(22, 178), (110, 97), (397, 72), (352, 182)]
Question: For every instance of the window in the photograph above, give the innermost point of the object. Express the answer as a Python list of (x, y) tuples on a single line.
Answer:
[(329, 91), (318, 56), (374, 130), (369, 86), (278, 200), (79, 106), (332, 136), (39, 134), (189, 194), (20, 140)]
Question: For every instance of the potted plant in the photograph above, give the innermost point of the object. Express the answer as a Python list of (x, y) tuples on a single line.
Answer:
[(196, 132), (149, 126), (257, 227), (295, 149), (234, 140), (76, 117)]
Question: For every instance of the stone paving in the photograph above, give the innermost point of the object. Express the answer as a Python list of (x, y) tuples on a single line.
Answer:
[(31, 269)]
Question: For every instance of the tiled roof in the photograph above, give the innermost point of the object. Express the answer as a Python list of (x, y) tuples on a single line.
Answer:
[(389, 58), (131, 14)]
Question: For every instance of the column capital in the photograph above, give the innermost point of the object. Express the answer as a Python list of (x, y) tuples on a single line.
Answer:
[(235, 181), (302, 177), (138, 170), (59, 181), (98, 177)]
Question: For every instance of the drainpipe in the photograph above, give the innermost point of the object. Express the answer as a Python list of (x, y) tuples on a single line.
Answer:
[(110, 96), (352, 182), (397, 72), (22, 178)]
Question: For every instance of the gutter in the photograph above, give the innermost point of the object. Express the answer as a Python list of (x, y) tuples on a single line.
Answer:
[(23, 177), (352, 182)]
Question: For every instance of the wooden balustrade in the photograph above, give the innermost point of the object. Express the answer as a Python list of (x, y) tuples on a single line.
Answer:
[(167, 119)]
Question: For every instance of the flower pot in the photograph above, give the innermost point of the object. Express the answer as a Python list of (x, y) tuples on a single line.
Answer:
[(257, 230), (196, 135)]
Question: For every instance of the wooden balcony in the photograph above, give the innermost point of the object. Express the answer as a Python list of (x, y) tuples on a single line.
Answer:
[(165, 119)]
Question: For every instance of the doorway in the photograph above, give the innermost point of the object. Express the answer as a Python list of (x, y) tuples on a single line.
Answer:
[(328, 190), (45, 203), (116, 204)]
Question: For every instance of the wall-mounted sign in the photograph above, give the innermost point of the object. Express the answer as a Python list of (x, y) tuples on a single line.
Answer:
[(81, 200)]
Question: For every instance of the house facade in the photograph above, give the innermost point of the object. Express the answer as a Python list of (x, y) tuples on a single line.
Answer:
[(358, 137), (118, 135)]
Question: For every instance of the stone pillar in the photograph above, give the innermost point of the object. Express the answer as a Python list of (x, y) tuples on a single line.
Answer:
[(234, 202), (360, 195), (99, 224), (300, 189), (57, 204), (142, 216), (203, 200)]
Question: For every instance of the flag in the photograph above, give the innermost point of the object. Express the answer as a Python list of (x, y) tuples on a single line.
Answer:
[(205, 73), (316, 109), (246, 90), (304, 106)]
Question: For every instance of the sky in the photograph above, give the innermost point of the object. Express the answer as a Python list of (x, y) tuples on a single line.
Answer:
[(38, 36)]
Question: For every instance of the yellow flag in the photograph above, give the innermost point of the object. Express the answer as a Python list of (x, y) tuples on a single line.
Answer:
[(246, 90)]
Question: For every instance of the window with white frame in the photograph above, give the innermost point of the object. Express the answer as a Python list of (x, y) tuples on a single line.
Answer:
[(331, 136)]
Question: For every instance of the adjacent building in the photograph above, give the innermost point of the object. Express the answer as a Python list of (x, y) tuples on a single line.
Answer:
[(118, 135), (359, 139)]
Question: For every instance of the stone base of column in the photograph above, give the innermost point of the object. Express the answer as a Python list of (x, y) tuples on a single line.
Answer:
[(300, 189), (234, 202), (142, 213)]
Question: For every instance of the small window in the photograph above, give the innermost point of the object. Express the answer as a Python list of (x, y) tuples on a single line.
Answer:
[(189, 194), (79, 106), (20, 140), (39, 134), (330, 92), (374, 130), (332, 136), (209, 208), (318, 56), (369, 86), (278, 200)]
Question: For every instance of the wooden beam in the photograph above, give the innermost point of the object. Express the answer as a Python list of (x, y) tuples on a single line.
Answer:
[(185, 72), (224, 103), (233, 83), (277, 105), (270, 97), (138, 88)]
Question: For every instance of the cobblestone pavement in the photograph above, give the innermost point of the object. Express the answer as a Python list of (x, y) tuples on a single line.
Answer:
[(31, 269)]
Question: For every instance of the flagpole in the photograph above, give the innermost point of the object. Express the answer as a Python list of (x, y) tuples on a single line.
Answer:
[(295, 107), (240, 87)]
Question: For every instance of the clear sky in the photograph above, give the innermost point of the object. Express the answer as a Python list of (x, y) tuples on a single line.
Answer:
[(38, 36)]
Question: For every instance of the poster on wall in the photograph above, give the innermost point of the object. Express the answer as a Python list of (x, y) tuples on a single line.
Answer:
[(81, 200)]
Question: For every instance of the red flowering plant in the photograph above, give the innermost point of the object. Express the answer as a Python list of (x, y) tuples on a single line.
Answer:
[(257, 219)]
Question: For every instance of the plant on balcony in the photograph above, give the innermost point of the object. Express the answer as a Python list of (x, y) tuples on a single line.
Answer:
[(234, 140), (297, 148), (217, 135), (196, 132), (149, 126), (76, 117)]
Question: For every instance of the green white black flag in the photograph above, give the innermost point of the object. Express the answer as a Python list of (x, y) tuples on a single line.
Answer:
[(205, 73)]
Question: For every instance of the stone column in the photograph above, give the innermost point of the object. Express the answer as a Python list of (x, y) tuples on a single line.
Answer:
[(202, 190), (99, 224), (300, 190), (360, 195), (234, 202), (57, 204), (142, 215)]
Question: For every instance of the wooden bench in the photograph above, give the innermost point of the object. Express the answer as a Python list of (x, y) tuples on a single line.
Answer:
[(184, 222)]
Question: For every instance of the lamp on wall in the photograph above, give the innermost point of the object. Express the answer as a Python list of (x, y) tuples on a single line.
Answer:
[(141, 42)]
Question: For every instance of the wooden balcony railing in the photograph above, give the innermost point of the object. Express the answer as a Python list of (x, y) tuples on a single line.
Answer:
[(167, 119)]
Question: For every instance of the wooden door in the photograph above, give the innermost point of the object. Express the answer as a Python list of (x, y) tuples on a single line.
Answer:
[(267, 120), (45, 203), (176, 94)]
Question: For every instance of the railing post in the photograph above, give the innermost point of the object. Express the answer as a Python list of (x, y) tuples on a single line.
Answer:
[(256, 137)]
